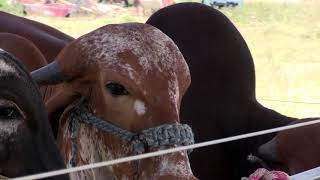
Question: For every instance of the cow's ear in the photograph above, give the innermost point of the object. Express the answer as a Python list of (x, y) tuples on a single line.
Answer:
[(268, 151)]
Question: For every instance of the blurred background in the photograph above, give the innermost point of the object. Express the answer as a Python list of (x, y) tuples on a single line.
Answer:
[(283, 37)]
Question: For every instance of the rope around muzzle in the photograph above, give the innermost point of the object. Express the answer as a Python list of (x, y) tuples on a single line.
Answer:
[(158, 137)]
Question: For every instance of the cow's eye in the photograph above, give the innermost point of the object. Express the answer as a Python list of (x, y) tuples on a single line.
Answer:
[(8, 113), (117, 89)]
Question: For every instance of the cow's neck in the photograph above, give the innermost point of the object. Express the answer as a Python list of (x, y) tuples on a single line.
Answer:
[(261, 118)]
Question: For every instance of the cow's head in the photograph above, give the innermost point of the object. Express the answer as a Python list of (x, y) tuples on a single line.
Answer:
[(26, 142), (294, 150), (131, 75)]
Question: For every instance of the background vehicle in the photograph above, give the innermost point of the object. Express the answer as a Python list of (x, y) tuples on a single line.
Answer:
[(223, 3)]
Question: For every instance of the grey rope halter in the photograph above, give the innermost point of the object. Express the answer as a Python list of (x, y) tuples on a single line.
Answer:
[(160, 136)]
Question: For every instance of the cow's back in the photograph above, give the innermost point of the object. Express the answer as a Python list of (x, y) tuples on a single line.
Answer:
[(50, 41), (26, 52)]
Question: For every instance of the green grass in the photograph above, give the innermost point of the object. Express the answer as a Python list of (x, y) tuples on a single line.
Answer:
[(7, 7), (285, 43), (284, 39)]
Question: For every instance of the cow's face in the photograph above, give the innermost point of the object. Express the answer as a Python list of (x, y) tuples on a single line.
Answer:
[(138, 71), (294, 150), (26, 143), (133, 76), (13, 136)]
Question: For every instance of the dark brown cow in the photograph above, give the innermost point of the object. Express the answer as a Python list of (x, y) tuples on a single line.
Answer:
[(295, 150), (221, 100), (26, 142), (49, 40), (132, 76), (25, 50)]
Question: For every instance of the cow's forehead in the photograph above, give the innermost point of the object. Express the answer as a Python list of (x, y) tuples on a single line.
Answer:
[(153, 50), (5, 66)]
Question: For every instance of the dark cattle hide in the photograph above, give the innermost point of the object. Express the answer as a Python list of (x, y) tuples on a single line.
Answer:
[(23, 49), (221, 100), (26, 142), (28, 53), (49, 40)]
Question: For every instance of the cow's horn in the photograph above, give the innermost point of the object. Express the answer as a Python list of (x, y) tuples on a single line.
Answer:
[(49, 75)]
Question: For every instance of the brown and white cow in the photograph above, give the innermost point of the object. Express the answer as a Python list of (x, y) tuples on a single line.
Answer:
[(131, 75)]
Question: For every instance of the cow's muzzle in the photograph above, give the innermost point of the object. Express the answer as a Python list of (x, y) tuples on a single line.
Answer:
[(153, 138)]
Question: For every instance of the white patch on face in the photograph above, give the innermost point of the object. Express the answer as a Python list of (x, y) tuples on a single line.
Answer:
[(130, 71), (173, 90), (179, 168), (6, 68), (9, 127), (139, 107)]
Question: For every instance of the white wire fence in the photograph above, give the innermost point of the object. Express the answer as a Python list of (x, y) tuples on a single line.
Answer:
[(288, 101), (167, 151)]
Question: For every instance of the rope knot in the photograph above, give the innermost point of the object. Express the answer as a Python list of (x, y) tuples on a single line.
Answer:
[(139, 144)]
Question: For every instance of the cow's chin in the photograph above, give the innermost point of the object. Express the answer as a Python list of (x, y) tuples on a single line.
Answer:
[(173, 166)]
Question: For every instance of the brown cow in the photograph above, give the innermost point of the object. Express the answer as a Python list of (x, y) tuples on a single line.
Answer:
[(49, 40), (130, 75), (25, 51), (295, 150)]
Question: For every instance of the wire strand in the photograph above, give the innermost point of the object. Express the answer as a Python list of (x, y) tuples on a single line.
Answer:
[(163, 152), (288, 101), (311, 174)]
